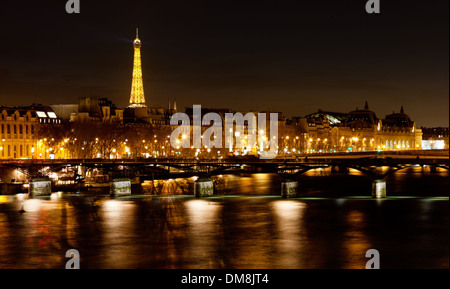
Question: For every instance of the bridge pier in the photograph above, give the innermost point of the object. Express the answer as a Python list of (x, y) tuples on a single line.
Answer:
[(203, 187), (120, 187), (433, 169), (379, 189), (40, 187), (289, 188), (340, 169)]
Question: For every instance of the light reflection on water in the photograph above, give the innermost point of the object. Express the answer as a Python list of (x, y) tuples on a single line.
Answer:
[(202, 216), (117, 225), (246, 225), (291, 232)]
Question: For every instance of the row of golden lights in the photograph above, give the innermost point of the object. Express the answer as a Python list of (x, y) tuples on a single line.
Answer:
[(127, 149), (237, 134)]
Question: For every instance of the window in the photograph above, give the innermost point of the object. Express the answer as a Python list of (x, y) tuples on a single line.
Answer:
[(41, 114), (20, 129), (8, 129)]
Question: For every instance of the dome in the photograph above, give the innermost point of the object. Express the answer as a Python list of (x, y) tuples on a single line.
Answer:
[(398, 119), (362, 118)]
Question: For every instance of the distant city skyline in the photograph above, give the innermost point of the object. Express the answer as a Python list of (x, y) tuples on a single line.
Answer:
[(294, 58)]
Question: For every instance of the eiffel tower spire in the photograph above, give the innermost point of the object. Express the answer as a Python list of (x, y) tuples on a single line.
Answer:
[(137, 98)]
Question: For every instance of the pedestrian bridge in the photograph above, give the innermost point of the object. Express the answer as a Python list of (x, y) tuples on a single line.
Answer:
[(375, 165)]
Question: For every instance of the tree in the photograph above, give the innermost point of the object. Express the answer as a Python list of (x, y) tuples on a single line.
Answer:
[(52, 137)]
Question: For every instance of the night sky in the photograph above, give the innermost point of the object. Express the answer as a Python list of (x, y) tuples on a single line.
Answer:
[(290, 56)]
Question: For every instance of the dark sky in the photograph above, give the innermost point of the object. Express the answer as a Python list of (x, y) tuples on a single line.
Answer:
[(290, 56)]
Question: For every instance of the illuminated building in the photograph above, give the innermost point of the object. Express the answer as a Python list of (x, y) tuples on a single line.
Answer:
[(399, 132), (18, 130), (435, 138), (137, 98), (360, 130)]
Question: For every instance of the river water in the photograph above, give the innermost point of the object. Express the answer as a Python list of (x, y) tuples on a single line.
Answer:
[(246, 225)]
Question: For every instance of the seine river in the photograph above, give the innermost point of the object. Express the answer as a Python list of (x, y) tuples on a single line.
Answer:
[(246, 225)]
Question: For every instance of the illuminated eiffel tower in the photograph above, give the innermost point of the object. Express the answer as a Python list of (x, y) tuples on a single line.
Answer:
[(137, 98)]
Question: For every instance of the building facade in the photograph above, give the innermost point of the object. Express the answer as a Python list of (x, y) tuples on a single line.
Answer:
[(359, 130), (19, 130), (435, 138)]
